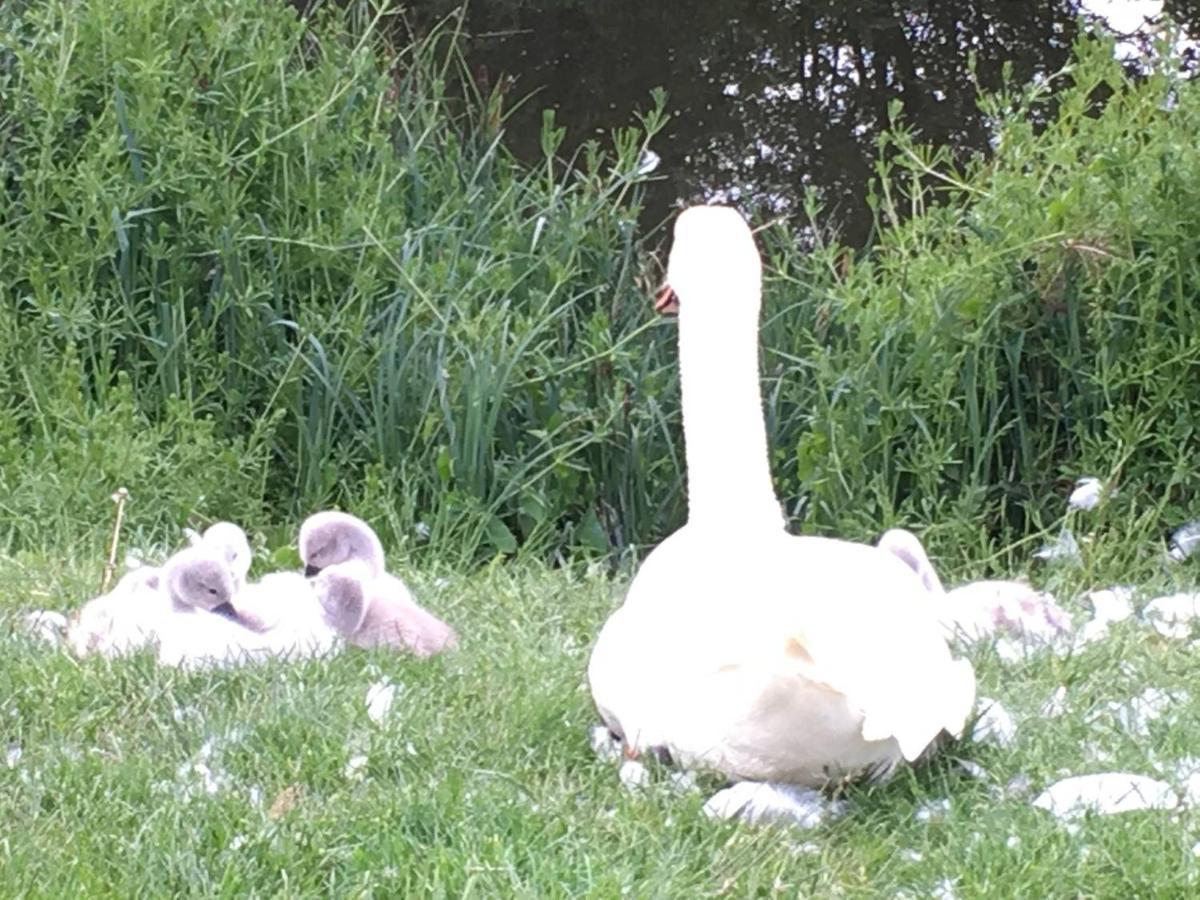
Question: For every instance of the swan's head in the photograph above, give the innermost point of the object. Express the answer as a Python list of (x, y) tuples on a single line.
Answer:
[(343, 591), (328, 538), (230, 542), (713, 261), (199, 578)]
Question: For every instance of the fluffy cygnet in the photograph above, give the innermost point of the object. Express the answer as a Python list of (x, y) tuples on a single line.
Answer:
[(379, 611), (331, 537), (391, 617), (120, 621), (195, 582)]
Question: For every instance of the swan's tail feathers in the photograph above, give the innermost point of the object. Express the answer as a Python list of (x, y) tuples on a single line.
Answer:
[(915, 725), (960, 696)]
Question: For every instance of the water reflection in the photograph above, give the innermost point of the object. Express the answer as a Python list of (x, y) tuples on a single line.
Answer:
[(768, 97)]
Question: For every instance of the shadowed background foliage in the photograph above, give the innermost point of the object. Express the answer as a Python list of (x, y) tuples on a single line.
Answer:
[(255, 264)]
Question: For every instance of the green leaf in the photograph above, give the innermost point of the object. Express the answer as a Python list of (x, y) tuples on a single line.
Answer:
[(590, 533), (499, 536)]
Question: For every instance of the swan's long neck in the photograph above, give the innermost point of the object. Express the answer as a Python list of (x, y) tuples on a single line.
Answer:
[(724, 431)]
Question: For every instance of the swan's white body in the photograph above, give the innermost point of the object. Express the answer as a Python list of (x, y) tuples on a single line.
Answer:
[(741, 648)]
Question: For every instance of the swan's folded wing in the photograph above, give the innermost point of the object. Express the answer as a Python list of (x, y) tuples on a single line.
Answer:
[(873, 635)]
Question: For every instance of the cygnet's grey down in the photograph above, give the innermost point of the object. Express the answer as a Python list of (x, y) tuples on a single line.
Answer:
[(908, 548), (231, 542), (331, 537), (126, 617), (392, 617), (194, 582), (372, 611)]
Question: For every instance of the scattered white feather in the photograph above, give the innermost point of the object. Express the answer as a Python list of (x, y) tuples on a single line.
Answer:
[(995, 724), (1065, 549), (648, 162), (239, 841), (1136, 714), (1172, 616), (1105, 793), (1185, 540), (380, 697), (199, 778), (605, 744), (1095, 753), (1087, 493), (633, 774), (1018, 786), (1109, 606), (538, 227), (1056, 705), (944, 890), (913, 856), (12, 756), (933, 810), (46, 625), (356, 766), (973, 769), (1013, 842), (683, 782), (761, 803)]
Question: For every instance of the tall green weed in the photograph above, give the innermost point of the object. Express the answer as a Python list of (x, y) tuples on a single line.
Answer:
[(256, 264)]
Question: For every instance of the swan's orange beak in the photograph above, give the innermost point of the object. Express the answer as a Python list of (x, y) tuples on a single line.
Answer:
[(666, 301)]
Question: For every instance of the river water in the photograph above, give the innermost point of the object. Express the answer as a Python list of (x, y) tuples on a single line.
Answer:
[(774, 97)]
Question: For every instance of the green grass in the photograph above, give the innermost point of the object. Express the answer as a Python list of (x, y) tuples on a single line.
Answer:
[(482, 783)]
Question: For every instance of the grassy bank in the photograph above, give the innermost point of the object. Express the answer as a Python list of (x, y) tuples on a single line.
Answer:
[(134, 780)]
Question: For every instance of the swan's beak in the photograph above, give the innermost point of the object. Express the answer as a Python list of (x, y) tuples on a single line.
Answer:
[(226, 610), (311, 570), (666, 301)]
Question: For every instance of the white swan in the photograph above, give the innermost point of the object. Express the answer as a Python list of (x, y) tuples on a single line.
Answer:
[(371, 612), (740, 648), (392, 616)]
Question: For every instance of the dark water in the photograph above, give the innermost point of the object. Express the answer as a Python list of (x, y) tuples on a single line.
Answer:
[(767, 97)]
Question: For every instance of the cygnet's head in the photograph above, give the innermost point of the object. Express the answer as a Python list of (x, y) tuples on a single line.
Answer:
[(328, 538), (230, 542), (907, 547), (199, 578), (713, 259), (343, 590)]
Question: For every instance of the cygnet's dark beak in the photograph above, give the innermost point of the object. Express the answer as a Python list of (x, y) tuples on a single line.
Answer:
[(666, 301), (226, 610), (311, 570)]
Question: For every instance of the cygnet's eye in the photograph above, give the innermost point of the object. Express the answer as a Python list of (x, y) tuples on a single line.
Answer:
[(212, 591)]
